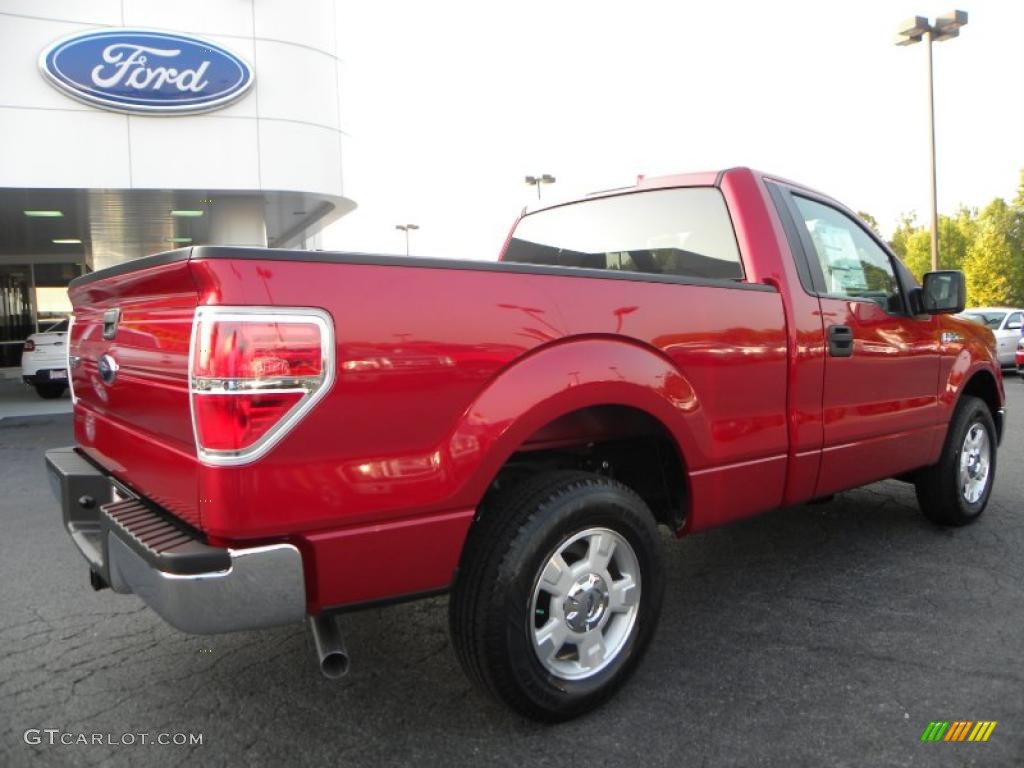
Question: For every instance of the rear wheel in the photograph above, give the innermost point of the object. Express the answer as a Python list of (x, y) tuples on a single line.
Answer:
[(956, 489), (558, 593), (50, 391)]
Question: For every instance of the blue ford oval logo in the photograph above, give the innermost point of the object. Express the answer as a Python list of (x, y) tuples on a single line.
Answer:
[(140, 71)]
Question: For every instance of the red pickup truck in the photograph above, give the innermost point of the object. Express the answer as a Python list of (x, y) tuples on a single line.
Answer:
[(270, 436)]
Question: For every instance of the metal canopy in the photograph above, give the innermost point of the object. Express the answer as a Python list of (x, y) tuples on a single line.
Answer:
[(116, 225)]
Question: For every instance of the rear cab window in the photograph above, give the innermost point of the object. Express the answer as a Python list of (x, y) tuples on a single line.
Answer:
[(681, 232)]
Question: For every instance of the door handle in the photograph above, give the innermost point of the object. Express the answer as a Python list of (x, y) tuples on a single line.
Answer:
[(840, 341)]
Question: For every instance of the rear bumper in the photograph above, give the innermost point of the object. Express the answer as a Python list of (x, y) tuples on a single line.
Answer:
[(55, 375), (135, 548)]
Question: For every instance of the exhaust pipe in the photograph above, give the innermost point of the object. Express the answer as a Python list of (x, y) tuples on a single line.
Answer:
[(330, 646)]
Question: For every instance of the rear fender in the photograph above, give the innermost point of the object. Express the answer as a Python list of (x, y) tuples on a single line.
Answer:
[(558, 379)]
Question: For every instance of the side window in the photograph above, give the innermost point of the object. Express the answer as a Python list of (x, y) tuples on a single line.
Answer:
[(1013, 322), (852, 264)]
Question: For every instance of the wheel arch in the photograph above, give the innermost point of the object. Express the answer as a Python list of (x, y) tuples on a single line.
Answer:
[(622, 442), (594, 390), (982, 384)]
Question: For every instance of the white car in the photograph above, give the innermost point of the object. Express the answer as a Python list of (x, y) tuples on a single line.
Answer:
[(44, 362), (1005, 323)]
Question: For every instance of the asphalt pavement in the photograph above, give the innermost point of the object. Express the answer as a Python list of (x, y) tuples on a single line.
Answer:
[(824, 635), (19, 399)]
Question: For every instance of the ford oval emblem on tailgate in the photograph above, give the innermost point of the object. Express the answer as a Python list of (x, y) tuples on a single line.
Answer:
[(108, 369)]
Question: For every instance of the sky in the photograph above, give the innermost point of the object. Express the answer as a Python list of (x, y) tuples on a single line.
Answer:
[(449, 105)]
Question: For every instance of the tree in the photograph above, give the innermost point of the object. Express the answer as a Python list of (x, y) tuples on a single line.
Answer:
[(987, 246), (912, 243), (956, 233), (871, 221), (994, 266)]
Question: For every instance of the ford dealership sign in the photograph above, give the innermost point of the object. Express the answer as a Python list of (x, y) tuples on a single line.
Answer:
[(145, 72)]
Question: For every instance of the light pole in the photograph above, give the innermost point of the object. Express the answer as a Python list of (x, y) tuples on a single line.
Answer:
[(536, 181), (913, 31), (407, 228)]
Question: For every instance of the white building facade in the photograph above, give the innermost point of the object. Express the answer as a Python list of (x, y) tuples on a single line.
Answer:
[(124, 131)]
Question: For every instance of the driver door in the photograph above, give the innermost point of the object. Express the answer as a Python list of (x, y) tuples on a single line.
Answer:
[(880, 392)]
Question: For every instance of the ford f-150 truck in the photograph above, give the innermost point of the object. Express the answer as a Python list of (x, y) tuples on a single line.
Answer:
[(272, 436)]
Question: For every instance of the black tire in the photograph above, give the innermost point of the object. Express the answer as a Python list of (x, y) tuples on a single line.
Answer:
[(940, 492), (491, 610), (50, 391)]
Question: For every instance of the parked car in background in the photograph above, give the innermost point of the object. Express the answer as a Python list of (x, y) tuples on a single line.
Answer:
[(44, 362), (1005, 323)]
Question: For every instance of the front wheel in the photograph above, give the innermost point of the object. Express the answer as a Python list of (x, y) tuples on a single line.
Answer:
[(558, 593), (956, 489)]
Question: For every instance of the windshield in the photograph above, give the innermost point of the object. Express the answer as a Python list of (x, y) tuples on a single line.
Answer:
[(989, 319), (683, 232)]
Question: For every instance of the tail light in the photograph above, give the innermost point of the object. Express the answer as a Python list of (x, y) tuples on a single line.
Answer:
[(30, 346), (254, 372)]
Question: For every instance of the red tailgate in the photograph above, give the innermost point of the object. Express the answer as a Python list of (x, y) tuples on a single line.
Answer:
[(131, 382)]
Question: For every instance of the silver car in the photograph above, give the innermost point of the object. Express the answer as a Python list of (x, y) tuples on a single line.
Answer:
[(1005, 323)]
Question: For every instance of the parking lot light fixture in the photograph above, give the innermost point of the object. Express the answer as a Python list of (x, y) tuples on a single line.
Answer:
[(914, 30), (536, 181), (407, 228)]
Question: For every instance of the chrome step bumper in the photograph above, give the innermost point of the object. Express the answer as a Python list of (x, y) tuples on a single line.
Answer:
[(134, 547)]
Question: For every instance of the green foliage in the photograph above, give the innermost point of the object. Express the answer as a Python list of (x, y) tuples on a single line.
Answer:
[(988, 246), (994, 266), (912, 243), (871, 221), (956, 234)]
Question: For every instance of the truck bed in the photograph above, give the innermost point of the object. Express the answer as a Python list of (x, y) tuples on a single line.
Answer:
[(403, 437)]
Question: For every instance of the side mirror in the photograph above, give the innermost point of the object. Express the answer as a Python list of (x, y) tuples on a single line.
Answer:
[(1013, 326), (944, 292)]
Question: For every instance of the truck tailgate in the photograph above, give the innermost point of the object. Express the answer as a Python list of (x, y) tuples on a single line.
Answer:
[(128, 351)]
